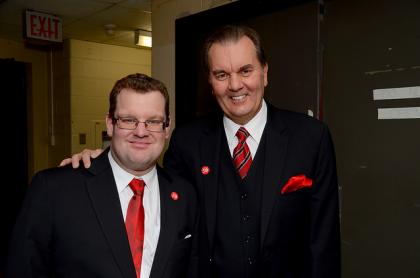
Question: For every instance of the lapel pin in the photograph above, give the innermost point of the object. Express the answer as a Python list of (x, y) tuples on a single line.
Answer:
[(205, 170), (174, 196)]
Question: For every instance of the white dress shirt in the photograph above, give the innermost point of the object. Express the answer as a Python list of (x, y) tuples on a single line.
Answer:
[(255, 127), (151, 204)]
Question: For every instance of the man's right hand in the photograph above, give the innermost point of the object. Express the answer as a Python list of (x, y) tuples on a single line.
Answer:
[(85, 155)]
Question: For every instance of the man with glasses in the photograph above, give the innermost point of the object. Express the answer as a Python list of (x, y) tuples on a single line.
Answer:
[(266, 177), (122, 217)]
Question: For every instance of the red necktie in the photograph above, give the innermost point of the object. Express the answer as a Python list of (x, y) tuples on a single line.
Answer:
[(241, 154), (134, 223)]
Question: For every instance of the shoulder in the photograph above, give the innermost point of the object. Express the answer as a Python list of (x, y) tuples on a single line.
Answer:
[(51, 184), (65, 173), (186, 139), (59, 179), (176, 182), (55, 174), (294, 121), (202, 124)]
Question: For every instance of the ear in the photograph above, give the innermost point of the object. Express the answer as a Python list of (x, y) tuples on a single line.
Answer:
[(168, 128), (109, 125), (265, 70)]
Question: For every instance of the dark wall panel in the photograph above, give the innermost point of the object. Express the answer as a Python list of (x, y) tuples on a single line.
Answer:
[(374, 45)]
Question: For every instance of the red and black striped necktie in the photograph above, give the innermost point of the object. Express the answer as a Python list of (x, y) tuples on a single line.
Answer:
[(241, 154)]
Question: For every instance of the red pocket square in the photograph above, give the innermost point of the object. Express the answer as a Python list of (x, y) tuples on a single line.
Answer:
[(296, 183)]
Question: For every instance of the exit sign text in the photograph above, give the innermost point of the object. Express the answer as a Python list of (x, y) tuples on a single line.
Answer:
[(43, 26)]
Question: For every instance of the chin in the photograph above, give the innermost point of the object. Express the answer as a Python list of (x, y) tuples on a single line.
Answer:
[(242, 114)]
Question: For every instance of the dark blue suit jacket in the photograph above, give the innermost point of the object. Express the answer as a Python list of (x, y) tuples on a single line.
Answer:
[(71, 225), (300, 234)]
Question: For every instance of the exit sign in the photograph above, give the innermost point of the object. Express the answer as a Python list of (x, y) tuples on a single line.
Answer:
[(42, 26)]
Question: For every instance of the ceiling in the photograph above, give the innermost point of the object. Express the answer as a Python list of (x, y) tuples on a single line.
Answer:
[(82, 19)]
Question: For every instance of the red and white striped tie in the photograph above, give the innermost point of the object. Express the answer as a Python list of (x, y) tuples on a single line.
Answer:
[(241, 154)]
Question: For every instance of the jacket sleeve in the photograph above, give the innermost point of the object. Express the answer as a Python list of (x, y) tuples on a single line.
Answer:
[(30, 245), (325, 222)]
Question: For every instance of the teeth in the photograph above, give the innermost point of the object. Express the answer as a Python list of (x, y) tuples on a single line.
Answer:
[(238, 97)]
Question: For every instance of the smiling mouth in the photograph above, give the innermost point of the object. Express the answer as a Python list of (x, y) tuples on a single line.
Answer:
[(139, 144), (240, 98)]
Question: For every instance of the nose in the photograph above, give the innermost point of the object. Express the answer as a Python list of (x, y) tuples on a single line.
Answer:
[(235, 82), (141, 130)]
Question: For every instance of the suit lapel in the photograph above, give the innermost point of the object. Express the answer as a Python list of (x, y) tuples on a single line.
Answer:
[(210, 148), (167, 234), (275, 154), (105, 201)]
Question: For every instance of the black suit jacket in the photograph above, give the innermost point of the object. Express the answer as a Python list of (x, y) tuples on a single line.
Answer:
[(300, 235), (71, 225)]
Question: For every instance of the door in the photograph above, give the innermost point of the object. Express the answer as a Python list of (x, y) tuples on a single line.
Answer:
[(14, 146)]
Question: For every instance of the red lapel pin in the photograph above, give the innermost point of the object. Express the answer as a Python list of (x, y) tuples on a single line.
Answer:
[(174, 196), (205, 170)]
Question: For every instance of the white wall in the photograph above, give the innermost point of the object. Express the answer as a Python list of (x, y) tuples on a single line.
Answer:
[(94, 69)]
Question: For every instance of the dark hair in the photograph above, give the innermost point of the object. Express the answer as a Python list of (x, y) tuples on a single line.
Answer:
[(233, 33), (140, 83)]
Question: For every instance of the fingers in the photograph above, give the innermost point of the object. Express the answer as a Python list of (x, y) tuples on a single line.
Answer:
[(64, 162), (75, 158), (96, 153), (87, 154)]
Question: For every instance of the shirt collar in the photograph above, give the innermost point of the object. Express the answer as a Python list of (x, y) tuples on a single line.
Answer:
[(123, 178), (255, 126)]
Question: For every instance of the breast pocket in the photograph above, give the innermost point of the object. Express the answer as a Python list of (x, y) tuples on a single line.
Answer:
[(179, 259), (182, 247)]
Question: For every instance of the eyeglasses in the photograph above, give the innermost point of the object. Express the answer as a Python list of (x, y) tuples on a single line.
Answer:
[(132, 123)]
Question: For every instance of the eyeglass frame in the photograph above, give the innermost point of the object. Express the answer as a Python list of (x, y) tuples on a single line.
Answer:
[(165, 123)]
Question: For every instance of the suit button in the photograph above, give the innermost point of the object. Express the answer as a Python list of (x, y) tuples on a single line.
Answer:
[(248, 238), (244, 196), (245, 218), (250, 261), (210, 260)]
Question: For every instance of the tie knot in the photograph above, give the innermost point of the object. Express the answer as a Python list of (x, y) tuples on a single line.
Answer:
[(242, 134), (137, 186)]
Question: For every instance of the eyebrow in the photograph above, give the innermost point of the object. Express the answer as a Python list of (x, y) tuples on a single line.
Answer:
[(246, 67), (153, 117), (218, 71)]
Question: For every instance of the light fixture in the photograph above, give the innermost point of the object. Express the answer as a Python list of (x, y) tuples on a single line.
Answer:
[(143, 38)]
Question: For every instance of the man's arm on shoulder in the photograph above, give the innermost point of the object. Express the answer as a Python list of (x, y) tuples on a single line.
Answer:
[(86, 155)]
